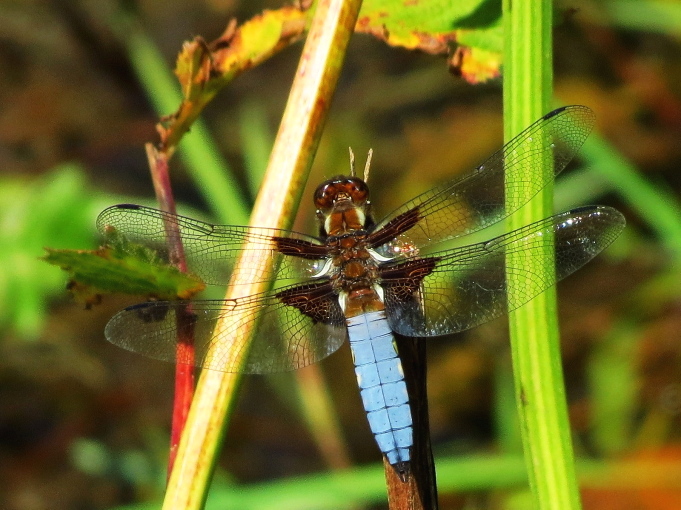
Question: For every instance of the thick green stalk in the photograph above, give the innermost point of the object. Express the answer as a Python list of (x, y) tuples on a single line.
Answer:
[(535, 343)]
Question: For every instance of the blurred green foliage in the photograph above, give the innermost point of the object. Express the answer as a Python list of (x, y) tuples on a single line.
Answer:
[(620, 318), (54, 210)]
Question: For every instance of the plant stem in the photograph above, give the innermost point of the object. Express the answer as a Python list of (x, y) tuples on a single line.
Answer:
[(289, 163), (184, 372), (535, 346)]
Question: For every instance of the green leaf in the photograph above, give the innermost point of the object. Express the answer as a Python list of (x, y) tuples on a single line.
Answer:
[(122, 266)]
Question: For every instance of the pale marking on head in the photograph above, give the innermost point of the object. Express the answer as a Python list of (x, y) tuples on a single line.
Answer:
[(361, 217)]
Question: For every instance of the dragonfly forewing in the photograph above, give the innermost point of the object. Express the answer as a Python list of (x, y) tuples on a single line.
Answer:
[(479, 199), (212, 250)]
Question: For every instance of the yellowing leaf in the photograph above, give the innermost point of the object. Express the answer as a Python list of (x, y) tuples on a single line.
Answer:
[(204, 68), (473, 27)]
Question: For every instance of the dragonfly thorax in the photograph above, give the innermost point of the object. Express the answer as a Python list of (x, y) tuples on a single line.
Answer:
[(354, 267)]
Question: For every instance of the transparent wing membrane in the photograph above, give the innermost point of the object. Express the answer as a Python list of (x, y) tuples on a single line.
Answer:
[(469, 285)]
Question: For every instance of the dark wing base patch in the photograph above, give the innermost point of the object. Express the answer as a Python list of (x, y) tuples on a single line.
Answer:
[(317, 301)]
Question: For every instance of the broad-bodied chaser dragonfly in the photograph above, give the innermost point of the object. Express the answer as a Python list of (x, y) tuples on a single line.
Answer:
[(363, 281)]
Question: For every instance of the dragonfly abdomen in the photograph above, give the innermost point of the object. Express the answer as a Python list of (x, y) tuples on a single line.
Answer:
[(381, 382)]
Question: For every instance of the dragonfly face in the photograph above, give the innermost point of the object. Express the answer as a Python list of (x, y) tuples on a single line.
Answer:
[(363, 281), (342, 205)]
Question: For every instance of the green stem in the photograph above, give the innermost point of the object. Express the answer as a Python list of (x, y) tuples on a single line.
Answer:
[(535, 343)]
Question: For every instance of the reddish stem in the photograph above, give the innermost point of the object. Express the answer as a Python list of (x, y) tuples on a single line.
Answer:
[(184, 386), (184, 368), (419, 490)]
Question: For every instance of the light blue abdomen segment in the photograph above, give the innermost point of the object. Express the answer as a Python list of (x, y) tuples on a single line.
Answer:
[(381, 383)]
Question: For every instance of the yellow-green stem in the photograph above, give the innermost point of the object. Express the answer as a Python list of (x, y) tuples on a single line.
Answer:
[(291, 158)]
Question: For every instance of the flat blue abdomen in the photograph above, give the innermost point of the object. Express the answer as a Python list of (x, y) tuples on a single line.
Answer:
[(381, 383)]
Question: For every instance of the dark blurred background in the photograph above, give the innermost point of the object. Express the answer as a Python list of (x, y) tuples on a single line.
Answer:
[(85, 425)]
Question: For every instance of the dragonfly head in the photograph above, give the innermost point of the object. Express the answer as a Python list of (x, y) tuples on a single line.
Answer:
[(342, 204)]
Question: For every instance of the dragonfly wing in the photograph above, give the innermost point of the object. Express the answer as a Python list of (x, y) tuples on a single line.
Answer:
[(467, 286), (212, 250), (284, 339), (475, 201)]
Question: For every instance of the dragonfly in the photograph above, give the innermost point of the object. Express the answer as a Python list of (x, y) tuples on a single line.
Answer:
[(364, 281)]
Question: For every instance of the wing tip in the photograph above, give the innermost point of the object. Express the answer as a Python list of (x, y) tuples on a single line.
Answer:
[(605, 212), (573, 108)]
